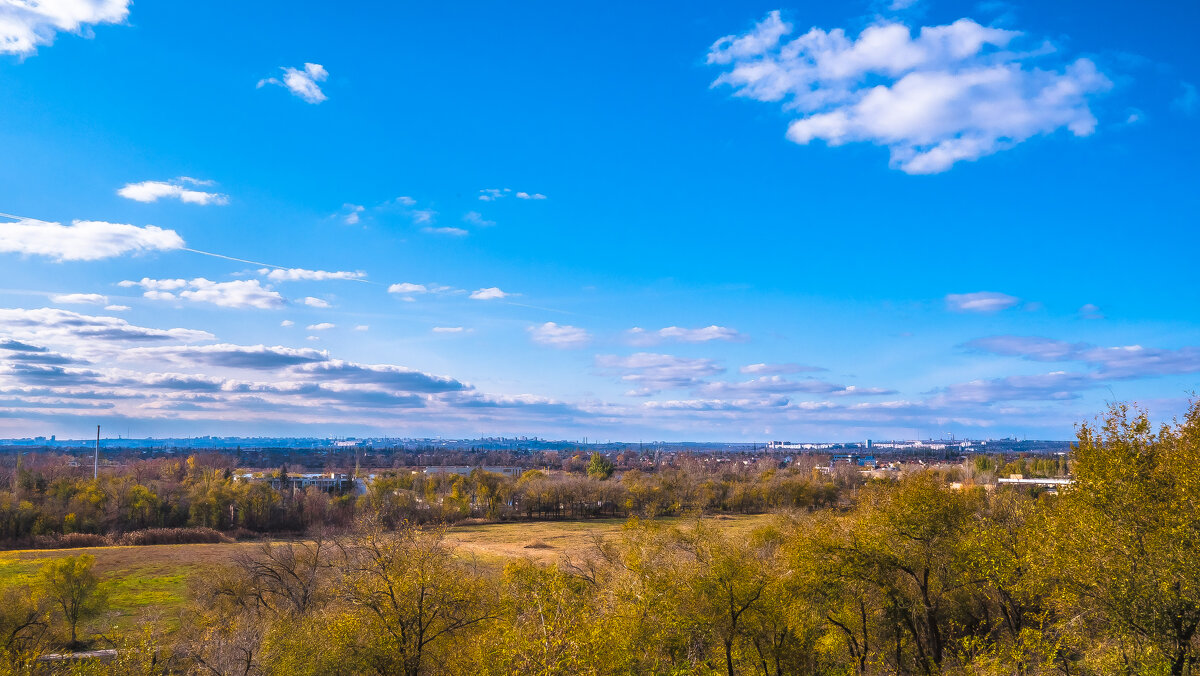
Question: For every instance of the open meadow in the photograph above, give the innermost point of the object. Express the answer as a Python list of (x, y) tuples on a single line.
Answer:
[(149, 584)]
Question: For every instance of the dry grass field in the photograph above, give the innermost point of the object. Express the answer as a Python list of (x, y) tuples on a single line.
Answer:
[(150, 583), (552, 540)]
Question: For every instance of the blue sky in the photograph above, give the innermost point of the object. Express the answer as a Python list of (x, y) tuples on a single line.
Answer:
[(701, 221)]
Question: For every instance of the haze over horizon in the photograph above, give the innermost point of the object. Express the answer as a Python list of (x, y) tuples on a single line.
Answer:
[(703, 222)]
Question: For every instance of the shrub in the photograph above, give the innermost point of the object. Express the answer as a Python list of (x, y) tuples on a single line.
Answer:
[(172, 536)]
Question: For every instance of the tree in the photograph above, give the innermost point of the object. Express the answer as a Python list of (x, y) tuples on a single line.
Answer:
[(73, 586), (410, 598), (600, 467), (23, 628), (1122, 542)]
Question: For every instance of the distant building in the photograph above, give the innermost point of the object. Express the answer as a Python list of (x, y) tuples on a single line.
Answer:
[(464, 470)]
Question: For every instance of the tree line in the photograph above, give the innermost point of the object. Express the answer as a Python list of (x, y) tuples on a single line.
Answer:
[(912, 576)]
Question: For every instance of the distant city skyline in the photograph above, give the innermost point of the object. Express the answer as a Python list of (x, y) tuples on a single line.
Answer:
[(813, 221)]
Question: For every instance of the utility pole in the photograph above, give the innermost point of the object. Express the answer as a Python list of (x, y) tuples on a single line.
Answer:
[(96, 457)]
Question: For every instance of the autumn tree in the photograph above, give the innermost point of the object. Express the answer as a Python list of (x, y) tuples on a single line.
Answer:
[(73, 587), (1123, 540)]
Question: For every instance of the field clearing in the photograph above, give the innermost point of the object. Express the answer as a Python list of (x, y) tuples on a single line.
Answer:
[(143, 582), (549, 541), (149, 584)]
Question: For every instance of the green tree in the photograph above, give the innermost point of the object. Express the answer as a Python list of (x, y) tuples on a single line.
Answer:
[(73, 587), (1122, 543), (23, 628), (600, 467), (411, 600)]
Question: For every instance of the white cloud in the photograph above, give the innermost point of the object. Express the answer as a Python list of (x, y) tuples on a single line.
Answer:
[(777, 369), (315, 302), (323, 326), (351, 213), (489, 293), (407, 289), (1125, 361), (80, 299), (980, 301), (492, 194), (302, 83), (236, 294), (476, 218), (362, 327), (67, 327), (559, 335), (453, 232), (654, 372), (448, 329), (1090, 311), (26, 25), (286, 323), (176, 188), (640, 336), (779, 385), (405, 200), (300, 274), (952, 93), (84, 240), (117, 308), (422, 216)]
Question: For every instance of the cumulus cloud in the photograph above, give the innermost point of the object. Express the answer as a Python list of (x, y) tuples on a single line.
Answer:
[(651, 372), (63, 326), (302, 275), (489, 293), (559, 335), (493, 194), (980, 301), (947, 94), (117, 308), (301, 83), (352, 213), (780, 385), (24, 26), (79, 299), (84, 240), (323, 326), (176, 188), (240, 293), (286, 323), (447, 329), (1127, 361), (362, 327), (227, 355), (476, 218), (407, 289), (422, 216), (1055, 386), (315, 302), (452, 232), (777, 369), (640, 336), (396, 377)]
